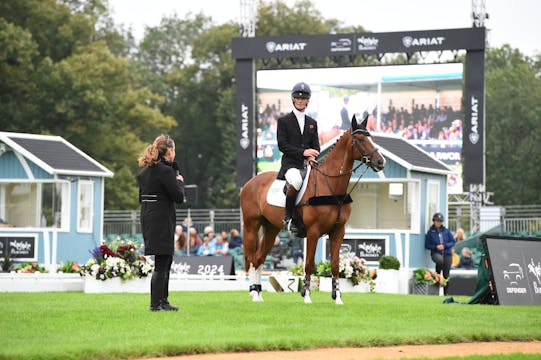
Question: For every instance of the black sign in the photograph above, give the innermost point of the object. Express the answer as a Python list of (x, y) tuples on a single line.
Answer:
[(516, 269), (358, 43), (245, 166), (368, 249), (19, 247), (474, 119), (203, 265)]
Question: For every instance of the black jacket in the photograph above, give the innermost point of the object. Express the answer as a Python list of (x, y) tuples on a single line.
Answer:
[(292, 143), (158, 192)]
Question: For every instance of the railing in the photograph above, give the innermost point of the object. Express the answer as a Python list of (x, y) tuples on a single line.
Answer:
[(127, 224)]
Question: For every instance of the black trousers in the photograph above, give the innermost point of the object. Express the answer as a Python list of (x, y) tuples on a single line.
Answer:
[(443, 262), (159, 284)]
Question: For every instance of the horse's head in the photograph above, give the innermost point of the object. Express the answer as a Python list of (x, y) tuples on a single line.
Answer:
[(363, 148)]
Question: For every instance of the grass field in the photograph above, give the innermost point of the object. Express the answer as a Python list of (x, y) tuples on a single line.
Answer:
[(111, 326)]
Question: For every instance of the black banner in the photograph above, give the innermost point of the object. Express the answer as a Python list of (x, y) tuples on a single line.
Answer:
[(358, 43), (19, 247), (474, 119), (203, 265), (244, 73), (516, 269)]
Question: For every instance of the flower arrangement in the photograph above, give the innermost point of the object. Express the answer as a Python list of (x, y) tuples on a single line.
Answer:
[(69, 267), (352, 268), (425, 275), (30, 267), (125, 263)]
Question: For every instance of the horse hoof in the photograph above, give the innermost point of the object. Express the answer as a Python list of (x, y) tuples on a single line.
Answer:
[(255, 296), (307, 299), (338, 298)]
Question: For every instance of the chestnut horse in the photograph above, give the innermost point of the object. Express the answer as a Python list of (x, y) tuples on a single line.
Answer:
[(330, 178)]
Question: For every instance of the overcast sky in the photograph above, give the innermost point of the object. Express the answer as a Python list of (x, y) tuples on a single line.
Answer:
[(515, 22)]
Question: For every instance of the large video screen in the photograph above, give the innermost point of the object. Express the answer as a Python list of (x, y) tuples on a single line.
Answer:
[(422, 103)]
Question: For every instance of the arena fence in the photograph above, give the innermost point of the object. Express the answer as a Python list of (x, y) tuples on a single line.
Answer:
[(516, 219)]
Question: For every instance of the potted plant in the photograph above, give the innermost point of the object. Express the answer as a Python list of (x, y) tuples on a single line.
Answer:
[(118, 270), (388, 278), (426, 282), (354, 274)]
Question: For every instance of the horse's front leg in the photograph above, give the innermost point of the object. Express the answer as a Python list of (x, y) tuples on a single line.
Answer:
[(336, 242), (310, 265)]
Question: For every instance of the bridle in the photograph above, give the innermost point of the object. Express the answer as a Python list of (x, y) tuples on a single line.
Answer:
[(365, 159)]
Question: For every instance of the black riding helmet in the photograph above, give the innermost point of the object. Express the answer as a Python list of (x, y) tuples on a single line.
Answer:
[(301, 90), (437, 216)]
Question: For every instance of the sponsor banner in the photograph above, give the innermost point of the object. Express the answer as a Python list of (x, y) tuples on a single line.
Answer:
[(19, 247), (245, 120), (203, 265), (474, 119), (369, 249), (516, 269), (358, 43)]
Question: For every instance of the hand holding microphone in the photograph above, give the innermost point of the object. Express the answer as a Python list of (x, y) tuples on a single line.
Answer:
[(175, 167)]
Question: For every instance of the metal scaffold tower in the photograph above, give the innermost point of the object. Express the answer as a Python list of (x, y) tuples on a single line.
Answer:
[(248, 15)]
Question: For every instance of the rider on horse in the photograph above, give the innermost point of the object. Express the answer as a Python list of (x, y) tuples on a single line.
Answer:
[(298, 141)]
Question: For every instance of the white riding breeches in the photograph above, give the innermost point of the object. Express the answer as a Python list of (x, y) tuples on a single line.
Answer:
[(293, 177)]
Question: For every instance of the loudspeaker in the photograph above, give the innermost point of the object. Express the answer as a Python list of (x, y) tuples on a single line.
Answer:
[(515, 278), (191, 195)]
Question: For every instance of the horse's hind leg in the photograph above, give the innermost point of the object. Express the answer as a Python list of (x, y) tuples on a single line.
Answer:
[(269, 235), (251, 266)]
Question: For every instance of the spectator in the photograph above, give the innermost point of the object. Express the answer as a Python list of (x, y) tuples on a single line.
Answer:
[(236, 240), (441, 243), (344, 115), (209, 231), (180, 241), (466, 259), (206, 249), (194, 241), (459, 236), (296, 244), (225, 235), (221, 247)]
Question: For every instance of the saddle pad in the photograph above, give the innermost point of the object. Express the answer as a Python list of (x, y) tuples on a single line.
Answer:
[(276, 196)]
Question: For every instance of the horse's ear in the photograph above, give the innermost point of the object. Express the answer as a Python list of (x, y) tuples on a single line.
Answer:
[(354, 124), (365, 121)]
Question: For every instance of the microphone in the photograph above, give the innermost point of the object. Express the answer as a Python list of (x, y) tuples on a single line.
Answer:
[(175, 167)]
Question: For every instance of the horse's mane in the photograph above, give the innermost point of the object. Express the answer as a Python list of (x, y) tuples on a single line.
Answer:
[(321, 158)]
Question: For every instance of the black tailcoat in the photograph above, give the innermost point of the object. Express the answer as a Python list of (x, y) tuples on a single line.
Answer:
[(158, 218), (292, 143)]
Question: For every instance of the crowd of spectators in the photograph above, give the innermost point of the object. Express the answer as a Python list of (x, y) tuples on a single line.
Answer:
[(422, 122), (189, 241)]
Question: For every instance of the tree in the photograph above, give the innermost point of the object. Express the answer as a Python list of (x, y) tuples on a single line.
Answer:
[(513, 134), (59, 76)]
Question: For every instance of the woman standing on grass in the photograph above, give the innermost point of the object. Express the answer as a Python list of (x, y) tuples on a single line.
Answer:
[(159, 188)]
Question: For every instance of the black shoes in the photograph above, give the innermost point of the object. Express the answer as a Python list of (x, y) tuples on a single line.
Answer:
[(164, 306)]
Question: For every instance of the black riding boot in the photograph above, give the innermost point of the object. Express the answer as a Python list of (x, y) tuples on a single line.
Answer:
[(291, 196)]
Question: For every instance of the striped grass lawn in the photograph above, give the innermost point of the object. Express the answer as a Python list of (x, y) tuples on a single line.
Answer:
[(114, 326)]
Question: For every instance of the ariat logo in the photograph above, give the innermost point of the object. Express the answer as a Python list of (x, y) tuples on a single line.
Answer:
[(276, 47), (424, 41), (244, 140)]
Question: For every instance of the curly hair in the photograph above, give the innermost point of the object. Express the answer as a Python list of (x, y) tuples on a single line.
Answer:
[(155, 151)]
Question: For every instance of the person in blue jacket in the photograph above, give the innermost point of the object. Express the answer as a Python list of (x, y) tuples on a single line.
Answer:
[(441, 242)]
